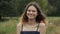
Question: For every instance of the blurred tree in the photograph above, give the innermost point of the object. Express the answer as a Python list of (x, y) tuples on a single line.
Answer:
[(52, 2), (43, 5), (58, 8), (16, 7), (7, 7), (52, 7)]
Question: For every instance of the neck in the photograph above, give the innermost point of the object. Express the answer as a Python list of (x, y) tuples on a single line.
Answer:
[(31, 21)]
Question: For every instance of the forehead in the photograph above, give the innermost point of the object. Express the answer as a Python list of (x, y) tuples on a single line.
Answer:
[(32, 7)]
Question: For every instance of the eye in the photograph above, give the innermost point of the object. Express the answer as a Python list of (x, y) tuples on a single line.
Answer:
[(29, 10), (33, 10)]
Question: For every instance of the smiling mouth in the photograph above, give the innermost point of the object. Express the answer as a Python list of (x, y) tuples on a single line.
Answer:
[(30, 15)]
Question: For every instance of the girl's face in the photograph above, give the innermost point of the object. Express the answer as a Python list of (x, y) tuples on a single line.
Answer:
[(31, 12)]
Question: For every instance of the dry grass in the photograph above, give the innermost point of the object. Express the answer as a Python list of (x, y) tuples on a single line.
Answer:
[(54, 25)]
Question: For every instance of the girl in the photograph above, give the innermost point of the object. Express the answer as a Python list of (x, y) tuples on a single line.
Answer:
[(32, 20)]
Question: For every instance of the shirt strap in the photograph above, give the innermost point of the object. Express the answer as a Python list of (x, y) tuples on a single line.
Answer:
[(37, 27), (22, 27)]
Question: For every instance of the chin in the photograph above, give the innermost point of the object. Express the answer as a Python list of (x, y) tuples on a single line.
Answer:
[(31, 18)]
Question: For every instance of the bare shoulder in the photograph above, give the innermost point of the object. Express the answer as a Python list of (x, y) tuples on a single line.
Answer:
[(19, 28), (19, 24), (42, 24)]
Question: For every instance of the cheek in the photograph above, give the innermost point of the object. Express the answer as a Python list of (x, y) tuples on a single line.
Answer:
[(27, 13), (35, 14)]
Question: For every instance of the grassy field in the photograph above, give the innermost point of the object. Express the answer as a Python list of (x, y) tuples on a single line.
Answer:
[(8, 26)]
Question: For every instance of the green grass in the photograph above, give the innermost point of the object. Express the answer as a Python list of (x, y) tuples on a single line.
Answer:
[(9, 26)]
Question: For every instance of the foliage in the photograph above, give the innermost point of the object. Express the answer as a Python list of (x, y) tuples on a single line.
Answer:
[(16, 7)]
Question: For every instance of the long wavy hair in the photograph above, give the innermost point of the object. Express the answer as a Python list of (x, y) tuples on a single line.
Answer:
[(40, 17)]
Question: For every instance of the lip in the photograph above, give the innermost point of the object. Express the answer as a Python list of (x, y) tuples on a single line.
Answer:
[(30, 14)]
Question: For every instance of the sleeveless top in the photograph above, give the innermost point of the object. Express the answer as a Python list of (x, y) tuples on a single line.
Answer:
[(30, 32)]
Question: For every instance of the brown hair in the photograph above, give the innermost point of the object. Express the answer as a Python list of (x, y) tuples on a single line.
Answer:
[(40, 17)]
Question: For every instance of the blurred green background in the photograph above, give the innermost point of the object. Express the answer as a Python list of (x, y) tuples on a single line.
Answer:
[(10, 11)]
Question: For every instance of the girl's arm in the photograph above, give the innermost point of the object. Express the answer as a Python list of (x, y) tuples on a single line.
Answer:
[(18, 28), (42, 28)]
